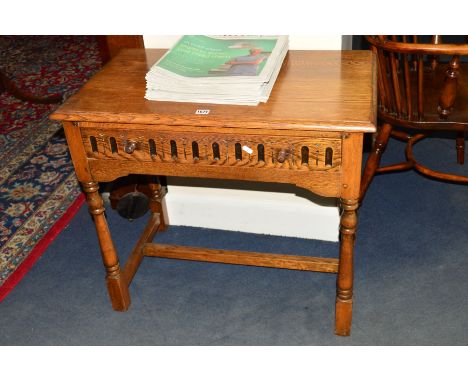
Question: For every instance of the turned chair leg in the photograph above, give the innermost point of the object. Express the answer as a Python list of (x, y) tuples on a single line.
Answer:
[(460, 144), (373, 160)]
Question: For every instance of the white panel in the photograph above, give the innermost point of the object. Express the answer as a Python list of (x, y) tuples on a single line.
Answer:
[(159, 42), (315, 42), (272, 213)]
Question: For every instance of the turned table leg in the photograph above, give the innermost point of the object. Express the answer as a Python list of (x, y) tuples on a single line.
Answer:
[(116, 284), (344, 290)]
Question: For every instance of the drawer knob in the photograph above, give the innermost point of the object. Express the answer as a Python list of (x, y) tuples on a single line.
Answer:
[(130, 147)]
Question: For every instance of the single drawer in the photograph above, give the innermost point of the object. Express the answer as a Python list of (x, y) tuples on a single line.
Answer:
[(320, 152)]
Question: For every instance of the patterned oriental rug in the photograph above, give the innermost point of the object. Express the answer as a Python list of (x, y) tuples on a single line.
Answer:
[(39, 193)]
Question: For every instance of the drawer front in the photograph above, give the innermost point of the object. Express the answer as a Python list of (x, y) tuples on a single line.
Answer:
[(309, 153)]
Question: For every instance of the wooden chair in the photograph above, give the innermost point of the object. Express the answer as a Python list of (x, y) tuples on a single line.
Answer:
[(418, 95)]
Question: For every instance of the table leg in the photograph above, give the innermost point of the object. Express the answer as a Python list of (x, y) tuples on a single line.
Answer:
[(344, 290), (116, 284), (156, 197)]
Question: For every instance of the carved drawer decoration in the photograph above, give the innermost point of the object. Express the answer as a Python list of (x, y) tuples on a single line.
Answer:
[(293, 153)]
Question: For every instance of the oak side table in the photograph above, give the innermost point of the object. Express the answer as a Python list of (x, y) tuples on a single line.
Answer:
[(309, 133)]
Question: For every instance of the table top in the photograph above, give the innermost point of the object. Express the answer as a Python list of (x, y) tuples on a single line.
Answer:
[(316, 90)]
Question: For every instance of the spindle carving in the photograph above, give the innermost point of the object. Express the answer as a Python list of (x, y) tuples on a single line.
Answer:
[(152, 147), (305, 155), (329, 156), (216, 155), (321, 153), (261, 152), (113, 145), (93, 142)]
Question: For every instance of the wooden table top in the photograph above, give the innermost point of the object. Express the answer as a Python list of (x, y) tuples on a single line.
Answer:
[(316, 90)]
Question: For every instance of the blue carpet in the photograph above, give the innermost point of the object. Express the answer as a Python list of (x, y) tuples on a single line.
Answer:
[(410, 279)]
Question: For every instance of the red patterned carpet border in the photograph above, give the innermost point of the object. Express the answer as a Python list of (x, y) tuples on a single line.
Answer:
[(40, 247)]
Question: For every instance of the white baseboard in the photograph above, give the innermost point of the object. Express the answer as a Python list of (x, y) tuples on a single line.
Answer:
[(256, 208)]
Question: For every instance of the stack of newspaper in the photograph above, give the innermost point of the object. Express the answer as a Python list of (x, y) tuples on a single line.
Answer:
[(236, 70)]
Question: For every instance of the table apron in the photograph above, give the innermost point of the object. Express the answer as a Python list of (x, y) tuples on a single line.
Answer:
[(324, 183)]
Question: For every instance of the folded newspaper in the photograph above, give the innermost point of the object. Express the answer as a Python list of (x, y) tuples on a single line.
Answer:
[(235, 70)]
